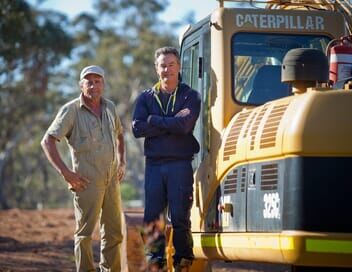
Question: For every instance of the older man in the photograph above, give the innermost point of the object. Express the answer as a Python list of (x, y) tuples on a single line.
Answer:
[(93, 130)]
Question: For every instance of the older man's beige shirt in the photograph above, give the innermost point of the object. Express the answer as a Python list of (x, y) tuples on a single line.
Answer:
[(92, 140)]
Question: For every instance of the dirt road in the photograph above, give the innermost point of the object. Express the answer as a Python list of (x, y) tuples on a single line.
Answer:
[(43, 241), (32, 240)]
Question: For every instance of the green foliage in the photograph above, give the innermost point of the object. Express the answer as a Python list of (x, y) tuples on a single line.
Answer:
[(128, 191), (15, 19), (32, 45)]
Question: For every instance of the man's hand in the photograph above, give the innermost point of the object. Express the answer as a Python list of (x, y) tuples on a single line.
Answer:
[(183, 112), (121, 170), (76, 182)]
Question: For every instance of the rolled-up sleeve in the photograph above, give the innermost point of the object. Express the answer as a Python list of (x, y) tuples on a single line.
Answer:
[(63, 123)]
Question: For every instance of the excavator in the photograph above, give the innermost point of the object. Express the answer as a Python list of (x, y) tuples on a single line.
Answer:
[(273, 185)]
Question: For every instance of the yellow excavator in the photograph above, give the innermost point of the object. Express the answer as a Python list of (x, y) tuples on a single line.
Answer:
[(272, 180)]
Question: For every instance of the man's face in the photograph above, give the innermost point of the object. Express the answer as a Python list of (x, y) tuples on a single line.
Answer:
[(92, 87), (167, 68)]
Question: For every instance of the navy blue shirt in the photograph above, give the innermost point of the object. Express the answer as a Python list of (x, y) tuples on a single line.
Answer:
[(166, 136)]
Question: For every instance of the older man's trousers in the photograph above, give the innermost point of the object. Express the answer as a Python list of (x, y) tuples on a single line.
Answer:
[(89, 205)]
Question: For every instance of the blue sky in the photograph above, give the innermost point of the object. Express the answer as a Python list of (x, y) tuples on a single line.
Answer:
[(176, 9)]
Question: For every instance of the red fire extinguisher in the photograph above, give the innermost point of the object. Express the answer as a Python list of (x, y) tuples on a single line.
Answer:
[(339, 52)]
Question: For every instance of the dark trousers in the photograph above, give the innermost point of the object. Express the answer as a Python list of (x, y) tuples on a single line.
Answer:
[(170, 184)]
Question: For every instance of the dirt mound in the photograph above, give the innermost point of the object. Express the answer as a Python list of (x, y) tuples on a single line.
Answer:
[(43, 240)]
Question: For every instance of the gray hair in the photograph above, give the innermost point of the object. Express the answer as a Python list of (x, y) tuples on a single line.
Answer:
[(164, 51)]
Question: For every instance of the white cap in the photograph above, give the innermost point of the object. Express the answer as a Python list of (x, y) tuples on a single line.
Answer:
[(92, 69)]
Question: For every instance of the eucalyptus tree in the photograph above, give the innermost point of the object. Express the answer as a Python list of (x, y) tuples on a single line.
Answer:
[(32, 45)]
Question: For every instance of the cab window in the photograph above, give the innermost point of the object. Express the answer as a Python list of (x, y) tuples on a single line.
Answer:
[(256, 64)]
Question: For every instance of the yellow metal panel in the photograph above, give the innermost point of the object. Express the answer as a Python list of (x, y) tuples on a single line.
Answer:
[(320, 125), (290, 247)]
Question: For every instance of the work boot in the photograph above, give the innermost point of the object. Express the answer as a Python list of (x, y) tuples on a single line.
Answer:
[(154, 268), (156, 265), (183, 266)]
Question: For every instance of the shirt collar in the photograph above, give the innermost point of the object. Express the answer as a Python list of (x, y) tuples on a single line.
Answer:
[(82, 103), (157, 86)]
